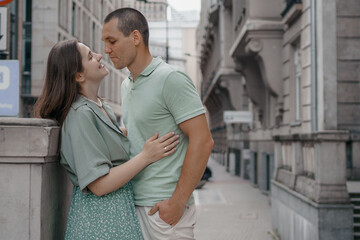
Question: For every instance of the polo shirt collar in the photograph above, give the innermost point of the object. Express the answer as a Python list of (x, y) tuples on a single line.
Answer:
[(150, 68)]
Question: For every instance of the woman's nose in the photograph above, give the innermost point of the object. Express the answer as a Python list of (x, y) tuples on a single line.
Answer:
[(98, 57)]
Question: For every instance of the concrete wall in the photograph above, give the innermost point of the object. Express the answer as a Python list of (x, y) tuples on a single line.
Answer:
[(35, 190), (298, 32), (261, 152), (348, 64), (192, 68), (326, 64), (295, 217), (310, 199)]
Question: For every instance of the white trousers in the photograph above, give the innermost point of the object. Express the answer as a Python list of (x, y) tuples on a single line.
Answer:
[(154, 228)]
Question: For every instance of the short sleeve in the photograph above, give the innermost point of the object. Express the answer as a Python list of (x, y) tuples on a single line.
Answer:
[(90, 153), (181, 97)]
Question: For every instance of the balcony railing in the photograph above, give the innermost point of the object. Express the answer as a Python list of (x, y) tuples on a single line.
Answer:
[(313, 165)]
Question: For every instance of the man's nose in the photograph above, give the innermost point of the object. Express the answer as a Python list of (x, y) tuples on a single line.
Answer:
[(107, 50)]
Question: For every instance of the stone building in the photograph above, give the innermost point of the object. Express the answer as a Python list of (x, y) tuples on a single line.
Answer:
[(154, 11), (295, 65), (222, 87), (180, 33), (36, 25)]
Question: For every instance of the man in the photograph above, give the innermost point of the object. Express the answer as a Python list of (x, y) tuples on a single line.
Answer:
[(158, 98)]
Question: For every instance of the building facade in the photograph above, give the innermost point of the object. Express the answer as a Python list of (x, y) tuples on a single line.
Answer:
[(34, 26), (294, 65), (222, 87), (154, 11), (180, 34)]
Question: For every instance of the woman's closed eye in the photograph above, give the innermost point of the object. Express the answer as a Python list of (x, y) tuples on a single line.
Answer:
[(90, 55)]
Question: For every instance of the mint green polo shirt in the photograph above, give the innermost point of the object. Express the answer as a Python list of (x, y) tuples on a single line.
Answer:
[(91, 143), (158, 101)]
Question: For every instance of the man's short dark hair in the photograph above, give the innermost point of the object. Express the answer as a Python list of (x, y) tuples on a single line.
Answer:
[(130, 19)]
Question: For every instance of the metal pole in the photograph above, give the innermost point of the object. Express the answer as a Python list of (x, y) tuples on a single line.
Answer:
[(167, 34), (314, 78), (166, 26)]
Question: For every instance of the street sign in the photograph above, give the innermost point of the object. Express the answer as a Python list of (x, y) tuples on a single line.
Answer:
[(9, 87), (238, 117), (3, 28)]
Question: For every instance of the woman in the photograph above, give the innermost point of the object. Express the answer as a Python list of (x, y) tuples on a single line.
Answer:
[(93, 148)]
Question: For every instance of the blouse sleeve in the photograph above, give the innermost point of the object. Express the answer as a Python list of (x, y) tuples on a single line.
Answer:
[(90, 153)]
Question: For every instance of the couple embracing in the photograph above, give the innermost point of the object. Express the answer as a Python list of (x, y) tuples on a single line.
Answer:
[(134, 182)]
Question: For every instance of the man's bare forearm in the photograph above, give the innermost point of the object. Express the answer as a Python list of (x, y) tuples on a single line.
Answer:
[(193, 168), (196, 158)]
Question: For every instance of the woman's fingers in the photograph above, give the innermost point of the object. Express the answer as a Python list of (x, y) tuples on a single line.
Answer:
[(154, 137), (171, 143), (166, 144), (170, 152), (166, 136), (170, 140)]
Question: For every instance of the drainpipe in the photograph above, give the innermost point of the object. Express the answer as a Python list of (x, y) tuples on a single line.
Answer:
[(314, 78)]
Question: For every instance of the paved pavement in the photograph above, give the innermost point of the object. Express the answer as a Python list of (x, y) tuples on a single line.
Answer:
[(229, 208)]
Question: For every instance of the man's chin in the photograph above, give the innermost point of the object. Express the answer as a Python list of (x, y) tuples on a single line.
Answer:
[(118, 66)]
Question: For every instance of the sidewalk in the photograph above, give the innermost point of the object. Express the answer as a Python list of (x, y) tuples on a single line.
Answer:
[(229, 208)]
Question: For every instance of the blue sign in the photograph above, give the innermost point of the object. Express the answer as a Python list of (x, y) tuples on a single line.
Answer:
[(9, 87)]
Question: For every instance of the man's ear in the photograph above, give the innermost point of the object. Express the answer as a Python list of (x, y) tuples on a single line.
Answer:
[(79, 77), (137, 37)]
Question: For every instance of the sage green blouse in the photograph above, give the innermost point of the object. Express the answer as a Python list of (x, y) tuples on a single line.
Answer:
[(91, 143)]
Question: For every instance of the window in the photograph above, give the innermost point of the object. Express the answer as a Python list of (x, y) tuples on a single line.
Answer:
[(297, 66), (13, 30), (79, 13), (73, 19), (86, 29), (101, 10), (59, 11), (87, 4), (289, 4), (63, 14), (26, 53), (93, 37), (96, 9)]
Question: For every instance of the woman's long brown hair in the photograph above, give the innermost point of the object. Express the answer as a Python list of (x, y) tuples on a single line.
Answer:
[(60, 88)]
